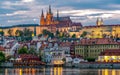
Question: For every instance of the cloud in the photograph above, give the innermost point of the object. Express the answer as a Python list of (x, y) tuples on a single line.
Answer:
[(16, 13), (85, 11), (27, 1)]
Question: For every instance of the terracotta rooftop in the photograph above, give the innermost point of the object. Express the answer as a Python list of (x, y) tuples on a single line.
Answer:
[(101, 26), (97, 41), (2, 48), (111, 52)]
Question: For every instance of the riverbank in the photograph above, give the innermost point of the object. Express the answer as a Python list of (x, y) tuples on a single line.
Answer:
[(82, 65), (93, 65)]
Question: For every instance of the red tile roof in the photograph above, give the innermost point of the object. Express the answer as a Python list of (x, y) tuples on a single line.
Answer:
[(101, 26), (28, 57), (65, 44), (97, 41), (111, 52), (2, 48)]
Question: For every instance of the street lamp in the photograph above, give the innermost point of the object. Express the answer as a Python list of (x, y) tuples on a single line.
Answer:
[(34, 27), (2, 34)]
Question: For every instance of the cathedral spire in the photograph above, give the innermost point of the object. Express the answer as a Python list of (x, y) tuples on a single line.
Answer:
[(42, 13), (42, 20), (57, 15), (50, 9), (99, 21)]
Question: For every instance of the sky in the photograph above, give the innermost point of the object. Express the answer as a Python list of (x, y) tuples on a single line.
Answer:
[(15, 12)]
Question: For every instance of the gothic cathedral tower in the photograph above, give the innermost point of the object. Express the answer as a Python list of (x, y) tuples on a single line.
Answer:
[(49, 17), (42, 19)]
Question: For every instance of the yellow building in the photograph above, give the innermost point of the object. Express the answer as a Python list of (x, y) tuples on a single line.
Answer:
[(109, 55), (91, 48), (101, 31), (33, 27)]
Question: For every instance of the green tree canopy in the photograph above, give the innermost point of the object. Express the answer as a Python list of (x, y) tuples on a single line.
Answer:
[(40, 35), (10, 31), (74, 36), (2, 57), (83, 34), (26, 34), (23, 50), (2, 33), (57, 33), (48, 33), (32, 51)]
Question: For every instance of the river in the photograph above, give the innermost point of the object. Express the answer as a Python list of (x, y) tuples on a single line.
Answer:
[(58, 71)]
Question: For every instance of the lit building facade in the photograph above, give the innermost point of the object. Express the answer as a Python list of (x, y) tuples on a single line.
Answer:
[(91, 48), (109, 55), (101, 30)]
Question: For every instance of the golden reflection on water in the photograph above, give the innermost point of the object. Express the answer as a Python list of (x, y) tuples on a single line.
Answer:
[(108, 72), (59, 71)]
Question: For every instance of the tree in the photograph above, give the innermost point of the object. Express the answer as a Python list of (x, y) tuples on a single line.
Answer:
[(23, 50), (2, 33), (83, 34), (51, 35), (10, 31), (17, 33), (26, 34), (45, 32), (64, 60), (74, 36), (32, 51), (40, 35), (48, 33), (91, 59), (2, 57), (57, 33)]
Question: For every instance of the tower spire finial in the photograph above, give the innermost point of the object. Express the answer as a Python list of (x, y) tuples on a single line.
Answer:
[(42, 13), (57, 14), (50, 9)]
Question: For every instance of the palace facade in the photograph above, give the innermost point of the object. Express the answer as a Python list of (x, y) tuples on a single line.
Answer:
[(101, 30)]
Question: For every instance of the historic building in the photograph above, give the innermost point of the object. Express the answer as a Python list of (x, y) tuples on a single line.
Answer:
[(109, 55), (48, 22), (62, 24), (101, 30), (91, 48)]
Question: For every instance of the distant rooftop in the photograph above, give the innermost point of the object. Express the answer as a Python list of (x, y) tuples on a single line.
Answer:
[(19, 25)]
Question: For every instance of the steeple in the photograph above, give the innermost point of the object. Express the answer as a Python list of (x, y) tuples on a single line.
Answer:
[(50, 9), (99, 22), (42, 15), (57, 15), (42, 20)]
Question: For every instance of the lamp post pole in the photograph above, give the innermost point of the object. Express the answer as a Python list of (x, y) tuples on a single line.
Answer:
[(2, 35), (34, 27)]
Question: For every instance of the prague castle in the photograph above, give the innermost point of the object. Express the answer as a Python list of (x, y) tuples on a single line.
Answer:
[(48, 22), (65, 24)]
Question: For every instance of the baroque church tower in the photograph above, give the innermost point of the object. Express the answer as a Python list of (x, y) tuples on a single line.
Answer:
[(99, 22)]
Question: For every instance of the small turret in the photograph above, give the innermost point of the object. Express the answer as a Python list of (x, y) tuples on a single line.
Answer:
[(99, 22)]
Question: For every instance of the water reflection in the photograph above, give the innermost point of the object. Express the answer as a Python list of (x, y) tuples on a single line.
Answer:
[(58, 71), (109, 72)]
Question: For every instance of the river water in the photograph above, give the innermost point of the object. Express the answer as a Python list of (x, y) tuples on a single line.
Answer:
[(58, 71)]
